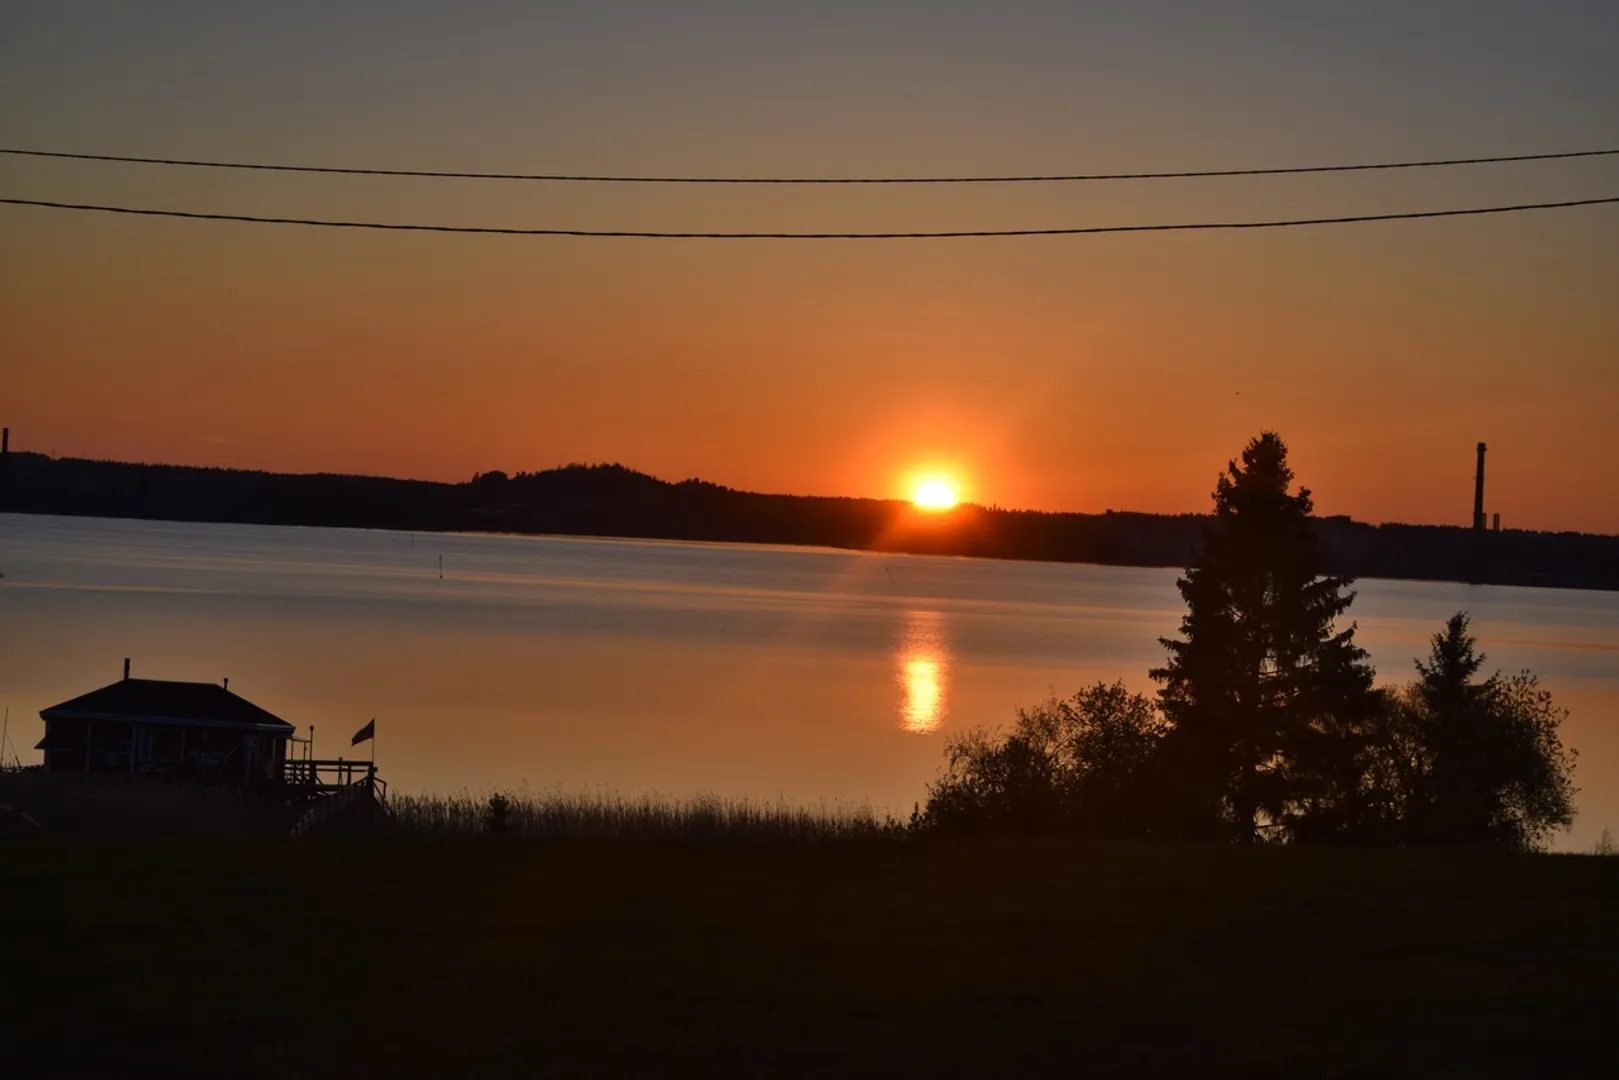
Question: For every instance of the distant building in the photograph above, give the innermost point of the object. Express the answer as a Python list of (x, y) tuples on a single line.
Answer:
[(139, 727)]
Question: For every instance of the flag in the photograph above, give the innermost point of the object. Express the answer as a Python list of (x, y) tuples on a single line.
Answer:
[(367, 732)]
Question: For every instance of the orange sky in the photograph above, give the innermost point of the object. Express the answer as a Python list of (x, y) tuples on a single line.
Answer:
[(1064, 374)]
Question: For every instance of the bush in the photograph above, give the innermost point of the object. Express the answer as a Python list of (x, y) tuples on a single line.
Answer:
[(1080, 765), (1487, 765), (497, 818)]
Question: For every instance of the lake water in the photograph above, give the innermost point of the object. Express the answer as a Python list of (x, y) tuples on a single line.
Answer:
[(798, 674)]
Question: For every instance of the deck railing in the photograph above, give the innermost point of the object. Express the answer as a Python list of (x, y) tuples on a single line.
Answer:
[(322, 776)]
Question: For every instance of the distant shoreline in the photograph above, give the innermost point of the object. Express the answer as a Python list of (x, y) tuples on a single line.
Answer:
[(749, 544), (613, 502)]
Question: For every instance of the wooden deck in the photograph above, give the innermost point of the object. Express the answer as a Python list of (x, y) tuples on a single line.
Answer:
[(336, 793), (317, 776)]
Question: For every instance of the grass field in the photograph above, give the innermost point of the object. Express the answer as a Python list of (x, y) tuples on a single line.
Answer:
[(563, 815), (521, 957)]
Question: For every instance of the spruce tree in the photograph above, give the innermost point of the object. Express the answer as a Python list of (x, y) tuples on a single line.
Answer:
[(1492, 766), (1266, 698)]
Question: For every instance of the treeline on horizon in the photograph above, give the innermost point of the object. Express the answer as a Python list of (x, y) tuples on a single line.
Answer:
[(611, 500)]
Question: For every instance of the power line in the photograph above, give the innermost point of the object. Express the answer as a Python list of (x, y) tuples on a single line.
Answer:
[(590, 178), (946, 235)]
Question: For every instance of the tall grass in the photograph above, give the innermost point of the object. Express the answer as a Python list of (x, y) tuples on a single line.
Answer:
[(58, 803), (606, 816)]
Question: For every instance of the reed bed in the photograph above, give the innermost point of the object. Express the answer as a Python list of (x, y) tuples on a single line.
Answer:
[(32, 800), (609, 816)]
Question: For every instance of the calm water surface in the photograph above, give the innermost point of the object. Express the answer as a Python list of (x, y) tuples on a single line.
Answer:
[(800, 674)]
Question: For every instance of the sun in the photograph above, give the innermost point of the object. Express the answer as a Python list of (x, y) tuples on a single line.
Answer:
[(935, 493)]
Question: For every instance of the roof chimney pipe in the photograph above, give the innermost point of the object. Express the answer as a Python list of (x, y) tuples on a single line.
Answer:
[(126, 667)]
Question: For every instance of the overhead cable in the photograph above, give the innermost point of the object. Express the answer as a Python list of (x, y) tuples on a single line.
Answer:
[(603, 178), (1084, 230)]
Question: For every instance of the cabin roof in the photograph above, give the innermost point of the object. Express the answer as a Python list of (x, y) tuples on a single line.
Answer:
[(165, 702)]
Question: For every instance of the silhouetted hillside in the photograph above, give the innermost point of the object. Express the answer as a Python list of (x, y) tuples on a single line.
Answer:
[(610, 500)]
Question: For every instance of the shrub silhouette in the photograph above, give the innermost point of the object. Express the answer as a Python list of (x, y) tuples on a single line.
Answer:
[(1489, 766), (1078, 765), (497, 818)]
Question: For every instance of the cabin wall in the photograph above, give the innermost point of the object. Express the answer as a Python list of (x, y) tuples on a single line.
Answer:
[(82, 746), (67, 746), (200, 754)]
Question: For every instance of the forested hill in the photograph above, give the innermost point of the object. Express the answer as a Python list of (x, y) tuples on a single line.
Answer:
[(609, 500)]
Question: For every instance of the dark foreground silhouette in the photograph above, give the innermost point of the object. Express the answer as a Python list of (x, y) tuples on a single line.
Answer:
[(610, 500), (514, 957)]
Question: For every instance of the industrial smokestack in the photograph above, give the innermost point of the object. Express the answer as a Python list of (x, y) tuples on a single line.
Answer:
[(5, 440), (126, 667), (1498, 521), (1478, 492)]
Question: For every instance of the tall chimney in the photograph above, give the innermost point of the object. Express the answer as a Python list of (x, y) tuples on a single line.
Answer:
[(1498, 521), (126, 667), (1478, 492), (5, 440)]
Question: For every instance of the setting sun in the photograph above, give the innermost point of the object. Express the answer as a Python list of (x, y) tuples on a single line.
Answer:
[(935, 493)]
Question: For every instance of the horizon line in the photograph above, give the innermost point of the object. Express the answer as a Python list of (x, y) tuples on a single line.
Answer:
[(899, 500)]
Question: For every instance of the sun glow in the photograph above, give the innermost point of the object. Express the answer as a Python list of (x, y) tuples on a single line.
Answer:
[(934, 493)]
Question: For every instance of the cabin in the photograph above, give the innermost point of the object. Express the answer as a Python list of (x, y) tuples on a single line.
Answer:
[(153, 727)]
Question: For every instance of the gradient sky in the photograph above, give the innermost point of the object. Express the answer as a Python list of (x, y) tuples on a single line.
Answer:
[(1060, 373)]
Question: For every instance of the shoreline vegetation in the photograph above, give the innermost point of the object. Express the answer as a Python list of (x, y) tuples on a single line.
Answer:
[(565, 815), (35, 804), (33, 801), (613, 501)]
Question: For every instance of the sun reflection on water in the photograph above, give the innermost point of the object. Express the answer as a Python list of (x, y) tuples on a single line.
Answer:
[(922, 661)]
